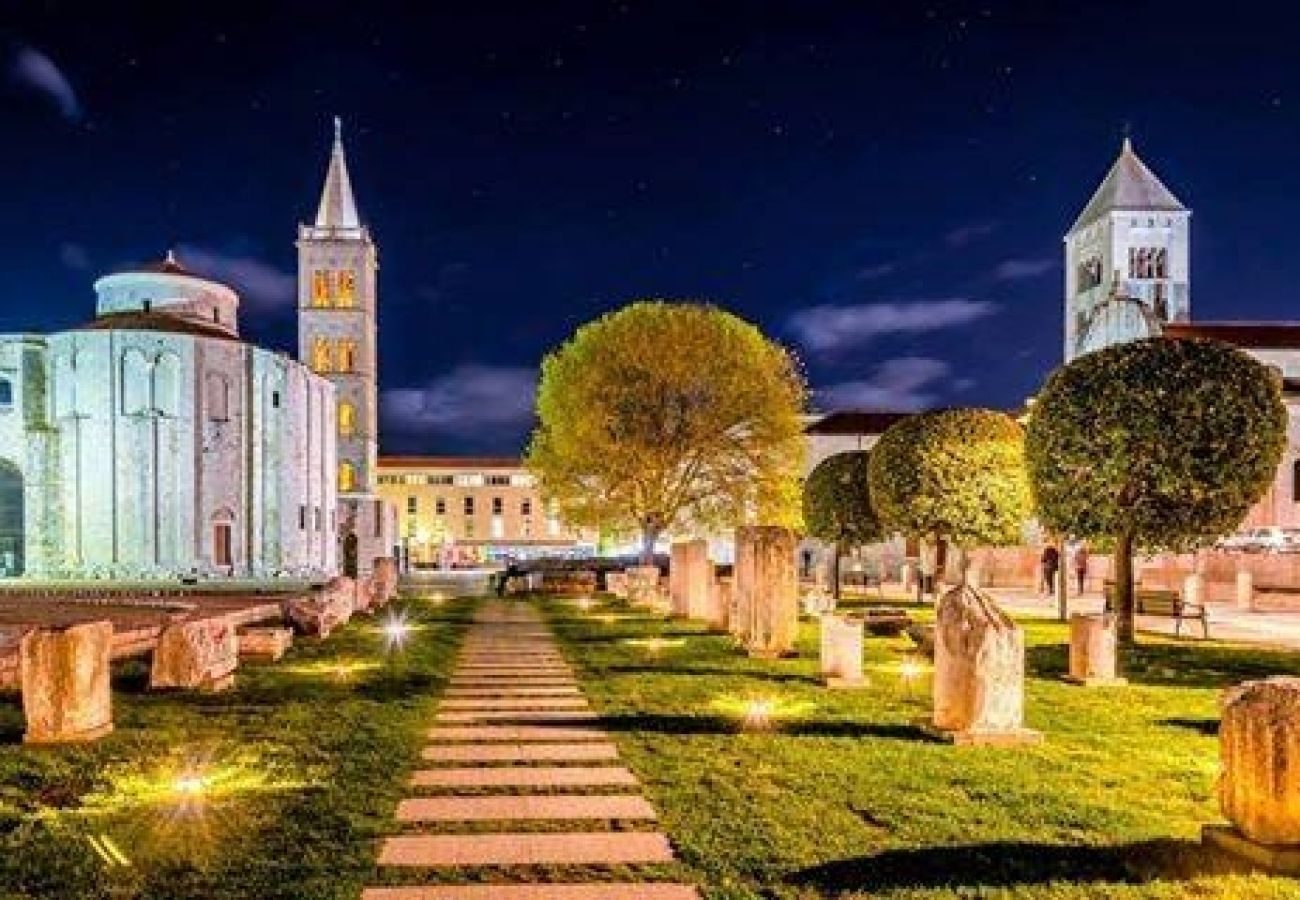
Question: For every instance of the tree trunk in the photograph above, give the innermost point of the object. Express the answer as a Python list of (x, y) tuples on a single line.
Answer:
[(1124, 588), (649, 537), (963, 565), (1063, 572), (835, 571)]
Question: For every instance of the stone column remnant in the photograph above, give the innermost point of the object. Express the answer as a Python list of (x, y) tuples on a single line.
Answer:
[(201, 654), (1245, 590), (841, 651), (1093, 656), (690, 578), (64, 675), (767, 588), (979, 672)]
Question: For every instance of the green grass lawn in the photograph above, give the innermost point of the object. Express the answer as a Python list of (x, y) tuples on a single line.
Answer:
[(843, 797), (302, 764)]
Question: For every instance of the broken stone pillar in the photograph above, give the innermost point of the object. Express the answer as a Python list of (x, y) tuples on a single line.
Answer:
[(384, 580), (689, 579), (841, 651), (363, 594), (325, 608), (721, 602), (1093, 651), (767, 586), (1259, 742), (1245, 590), (199, 654), (979, 672), (616, 584), (64, 676), (265, 642), (643, 586)]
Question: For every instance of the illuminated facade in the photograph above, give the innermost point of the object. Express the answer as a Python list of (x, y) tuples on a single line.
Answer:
[(460, 510), (153, 442)]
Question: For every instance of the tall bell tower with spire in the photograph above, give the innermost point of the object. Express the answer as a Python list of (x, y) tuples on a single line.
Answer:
[(337, 333)]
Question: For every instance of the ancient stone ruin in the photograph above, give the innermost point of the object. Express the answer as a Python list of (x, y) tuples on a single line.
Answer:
[(841, 651), (384, 580), (767, 589), (1093, 656), (643, 587), (979, 672), (201, 654), (689, 579), (265, 642), (1259, 786), (64, 673), (324, 609)]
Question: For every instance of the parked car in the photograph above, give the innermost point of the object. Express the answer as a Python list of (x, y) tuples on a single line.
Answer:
[(1265, 539)]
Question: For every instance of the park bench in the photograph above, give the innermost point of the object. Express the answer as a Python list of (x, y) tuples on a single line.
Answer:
[(1165, 603)]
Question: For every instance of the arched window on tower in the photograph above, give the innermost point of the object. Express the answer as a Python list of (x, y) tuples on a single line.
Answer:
[(347, 477), (320, 355), (347, 355), (347, 419), (347, 288), (320, 287)]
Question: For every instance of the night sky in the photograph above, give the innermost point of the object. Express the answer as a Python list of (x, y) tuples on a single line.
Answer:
[(882, 187)]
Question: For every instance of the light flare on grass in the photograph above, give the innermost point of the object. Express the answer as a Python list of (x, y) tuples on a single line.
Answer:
[(654, 645), (762, 713)]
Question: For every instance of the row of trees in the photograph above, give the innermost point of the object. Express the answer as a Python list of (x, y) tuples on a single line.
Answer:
[(1158, 444), (664, 416)]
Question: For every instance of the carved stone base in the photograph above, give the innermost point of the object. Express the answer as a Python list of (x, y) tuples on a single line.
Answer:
[(1018, 737), (69, 737), (846, 684), (1098, 682), (1279, 859)]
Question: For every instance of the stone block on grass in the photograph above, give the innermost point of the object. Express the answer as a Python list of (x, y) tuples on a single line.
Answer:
[(64, 677), (201, 654), (269, 642)]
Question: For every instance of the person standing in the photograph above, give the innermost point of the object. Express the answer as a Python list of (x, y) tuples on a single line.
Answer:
[(1081, 564), (1051, 563)]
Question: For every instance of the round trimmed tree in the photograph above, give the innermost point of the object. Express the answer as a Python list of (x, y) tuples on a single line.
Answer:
[(1162, 444), (837, 507), (955, 476), (667, 415)]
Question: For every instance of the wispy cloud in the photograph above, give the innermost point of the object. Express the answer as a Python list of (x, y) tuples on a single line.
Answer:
[(871, 273), (966, 234), (832, 328), (469, 401), (35, 71), (1020, 269), (903, 384), (257, 282), (74, 256)]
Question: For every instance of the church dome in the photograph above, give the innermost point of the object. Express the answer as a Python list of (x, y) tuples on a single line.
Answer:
[(166, 291)]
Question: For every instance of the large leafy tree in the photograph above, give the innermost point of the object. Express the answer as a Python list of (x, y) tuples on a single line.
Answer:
[(1160, 444), (664, 415), (837, 507), (954, 475)]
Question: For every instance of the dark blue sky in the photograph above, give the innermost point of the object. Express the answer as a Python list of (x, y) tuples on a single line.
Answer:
[(882, 186)]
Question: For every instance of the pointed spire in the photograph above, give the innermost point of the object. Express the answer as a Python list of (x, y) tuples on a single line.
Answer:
[(338, 208), (1128, 186)]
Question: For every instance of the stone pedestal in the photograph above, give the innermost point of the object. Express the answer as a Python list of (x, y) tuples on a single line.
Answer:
[(767, 589), (1194, 589), (643, 586), (616, 584), (907, 575), (841, 652), (1093, 651), (384, 580), (64, 675), (1245, 590), (721, 595), (979, 673), (265, 642), (1259, 742), (202, 655), (689, 579)]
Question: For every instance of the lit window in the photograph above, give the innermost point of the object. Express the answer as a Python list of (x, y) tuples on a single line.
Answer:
[(320, 355), (347, 288), (320, 288), (498, 527), (469, 528), (347, 476), (347, 419), (347, 355), (498, 480)]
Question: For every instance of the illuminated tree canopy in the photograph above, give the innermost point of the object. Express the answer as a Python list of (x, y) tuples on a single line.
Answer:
[(837, 506)]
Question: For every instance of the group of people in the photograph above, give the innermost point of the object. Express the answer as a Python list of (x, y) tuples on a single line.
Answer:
[(1050, 560)]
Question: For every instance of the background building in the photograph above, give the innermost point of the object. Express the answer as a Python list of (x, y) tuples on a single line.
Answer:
[(455, 510)]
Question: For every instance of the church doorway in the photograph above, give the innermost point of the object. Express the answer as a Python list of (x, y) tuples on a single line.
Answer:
[(11, 520), (350, 555)]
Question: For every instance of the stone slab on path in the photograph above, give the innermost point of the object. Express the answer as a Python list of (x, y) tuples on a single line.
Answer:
[(508, 683), (515, 808), (511, 671), (526, 849), (595, 751), (483, 733), (513, 690), (479, 704), (521, 716), (526, 776), (608, 891)]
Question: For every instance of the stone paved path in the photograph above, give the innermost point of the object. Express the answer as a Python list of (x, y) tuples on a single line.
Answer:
[(514, 744)]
